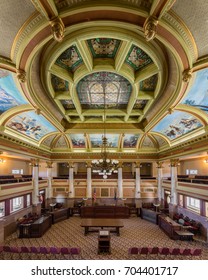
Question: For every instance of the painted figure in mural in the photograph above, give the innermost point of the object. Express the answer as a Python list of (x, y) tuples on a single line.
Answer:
[(188, 123), (7, 101)]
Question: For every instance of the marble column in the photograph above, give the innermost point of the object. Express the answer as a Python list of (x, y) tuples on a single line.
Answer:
[(89, 181), (174, 181), (160, 194), (71, 180), (137, 181), (49, 166), (35, 179), (120, 181)]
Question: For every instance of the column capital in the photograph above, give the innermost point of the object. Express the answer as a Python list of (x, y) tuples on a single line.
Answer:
[(71, 164), (137, 164), (34, 162), (88, 164), (159, 164), (49, 164), (120, 164), (174, 162)]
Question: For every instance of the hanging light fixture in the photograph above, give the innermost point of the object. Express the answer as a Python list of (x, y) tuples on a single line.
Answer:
[(104, 166)]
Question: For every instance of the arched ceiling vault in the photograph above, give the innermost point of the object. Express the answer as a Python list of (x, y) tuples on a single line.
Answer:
[(69, 59)]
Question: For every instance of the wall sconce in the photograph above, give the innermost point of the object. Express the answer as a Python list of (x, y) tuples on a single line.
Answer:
[(2, 160), (206, 160)]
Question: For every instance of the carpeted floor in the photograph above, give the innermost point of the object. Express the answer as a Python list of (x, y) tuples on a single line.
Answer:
[(135, 233)]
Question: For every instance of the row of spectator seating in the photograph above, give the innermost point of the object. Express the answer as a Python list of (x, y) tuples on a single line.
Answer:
[(8, 179), (33, 253), (190, 224), (164, 251)]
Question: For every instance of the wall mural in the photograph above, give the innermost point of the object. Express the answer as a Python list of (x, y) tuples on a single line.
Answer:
[(177, 124), (149, 84), (137, 58), (48, 140), (31, 124), (96, 140), (59, 84), (70, 59), (103, 47), (61, 143), (78, 140), (130, 140), (9, 94), (147, 143), (140, 104), (198, 94)]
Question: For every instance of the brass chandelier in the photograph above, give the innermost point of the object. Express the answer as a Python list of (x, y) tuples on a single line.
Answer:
[(104, 166)]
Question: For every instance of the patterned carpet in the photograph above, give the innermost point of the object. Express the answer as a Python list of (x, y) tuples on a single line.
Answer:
[(135, 233)]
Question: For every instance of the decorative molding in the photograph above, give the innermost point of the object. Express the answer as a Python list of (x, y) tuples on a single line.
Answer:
[(176, 23), (187, 75), (25, 32), (150, 28), (58, 29), (21, 75)]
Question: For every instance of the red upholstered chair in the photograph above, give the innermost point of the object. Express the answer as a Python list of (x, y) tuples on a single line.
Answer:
[(34, 252), (44, 251), (8, 251), (185, 252), (15, 251), (175, 252), (144, 251), (54, 252), (153, 251), (25, 252), (75, 252), (65, 252), (133, 251), (196, 252), (165, 251)]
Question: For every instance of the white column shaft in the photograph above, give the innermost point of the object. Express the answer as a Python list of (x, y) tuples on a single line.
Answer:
[(89, 183), (120, 183), (138, 183), (174, 184)]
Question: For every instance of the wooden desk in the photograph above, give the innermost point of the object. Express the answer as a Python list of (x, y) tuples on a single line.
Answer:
[(185, 235), (169, 226), (105, 211), (59, 215), (102, 223), (149, 215), (36, 229)]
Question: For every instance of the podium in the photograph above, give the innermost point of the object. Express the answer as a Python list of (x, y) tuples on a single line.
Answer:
[(104, 242)]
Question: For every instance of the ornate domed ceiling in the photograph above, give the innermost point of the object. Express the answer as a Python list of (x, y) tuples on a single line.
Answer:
[(67, 60)]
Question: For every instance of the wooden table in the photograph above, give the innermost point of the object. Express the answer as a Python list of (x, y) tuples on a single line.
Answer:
[(102, 223)]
